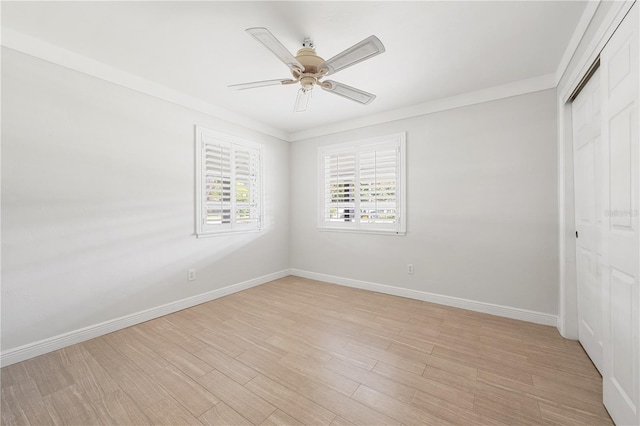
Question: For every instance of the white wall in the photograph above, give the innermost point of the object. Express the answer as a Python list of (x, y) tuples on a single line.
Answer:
[(482, 207), (98, 204)]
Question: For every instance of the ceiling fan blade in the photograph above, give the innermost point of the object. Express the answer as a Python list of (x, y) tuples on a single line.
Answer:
[(302, 100), (348, 92), (367, 48), (273, 44), (243, 86)]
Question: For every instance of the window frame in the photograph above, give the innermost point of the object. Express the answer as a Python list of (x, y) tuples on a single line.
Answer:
[(400, 228), (234, 143)]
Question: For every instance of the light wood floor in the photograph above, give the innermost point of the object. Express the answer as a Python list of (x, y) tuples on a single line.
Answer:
[(297, 351)]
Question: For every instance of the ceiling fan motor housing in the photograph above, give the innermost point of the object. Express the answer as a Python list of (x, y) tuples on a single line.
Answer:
[(308, 58)]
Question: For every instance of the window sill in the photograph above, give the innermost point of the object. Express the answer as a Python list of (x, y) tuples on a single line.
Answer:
[(363, 231), (230, 232)]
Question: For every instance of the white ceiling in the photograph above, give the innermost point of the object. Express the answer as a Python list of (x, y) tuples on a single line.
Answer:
[(434, 50)]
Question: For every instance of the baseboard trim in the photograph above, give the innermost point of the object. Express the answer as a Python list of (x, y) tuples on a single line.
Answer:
[(50, 344), (472, 305)]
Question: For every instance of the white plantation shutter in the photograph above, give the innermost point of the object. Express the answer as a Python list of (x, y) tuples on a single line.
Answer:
[(229, 196), (378, 176), (340, 187), (362, 186), (246, 164), (217, 184)]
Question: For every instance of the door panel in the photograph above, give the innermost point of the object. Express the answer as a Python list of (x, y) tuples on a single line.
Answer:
[(586, 125), (620, 151), (620, 240)]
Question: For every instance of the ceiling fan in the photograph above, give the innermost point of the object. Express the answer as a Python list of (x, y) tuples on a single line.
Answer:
[(308, 68)]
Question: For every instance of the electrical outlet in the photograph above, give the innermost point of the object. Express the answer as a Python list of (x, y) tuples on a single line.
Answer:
[(410, 268), (191, 274)]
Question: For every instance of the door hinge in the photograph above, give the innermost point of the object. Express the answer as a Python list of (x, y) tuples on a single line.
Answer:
[(576, 234)]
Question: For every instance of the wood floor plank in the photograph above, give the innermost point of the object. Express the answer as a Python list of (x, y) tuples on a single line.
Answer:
[(373, 380), (238, 397), (137, 349), (247, 330), (222, 415), (292, 344), (223, 343), (70, 406), (439, 390), (186, 361), (140, 387), (188, 321), (505, 405), (339, 421), (451, 411), (90, 377), (345, 407), (229, 366), (291, 402), (475, 360), (452, 367), (118, 408), (410, 353), (355, 358), (405, 413), (422, 343), (562, 415), (546, 384), (183, 389), (269, 365), (298, 351), (549, 393), (593, 384), (107, 356), (280, 418), (49, 373), (13, 375), (411, 366), (23, 405), (170, 412), (11, 413), (580, 367), (451, 379), (317, 371), (173, 333)]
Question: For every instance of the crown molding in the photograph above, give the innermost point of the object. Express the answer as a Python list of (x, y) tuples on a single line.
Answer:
[(576, 38), (46, 51), (51, 53), (508, 90), (606, 29)]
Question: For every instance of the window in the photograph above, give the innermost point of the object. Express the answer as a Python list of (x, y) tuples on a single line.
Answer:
[(228, 184), (362, 186)]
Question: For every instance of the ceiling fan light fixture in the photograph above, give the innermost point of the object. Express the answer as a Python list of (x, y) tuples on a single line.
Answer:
[(302, 100), (307, 82)]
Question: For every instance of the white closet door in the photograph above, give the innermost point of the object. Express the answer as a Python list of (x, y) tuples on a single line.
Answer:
[(587, 178), (621, 189)]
